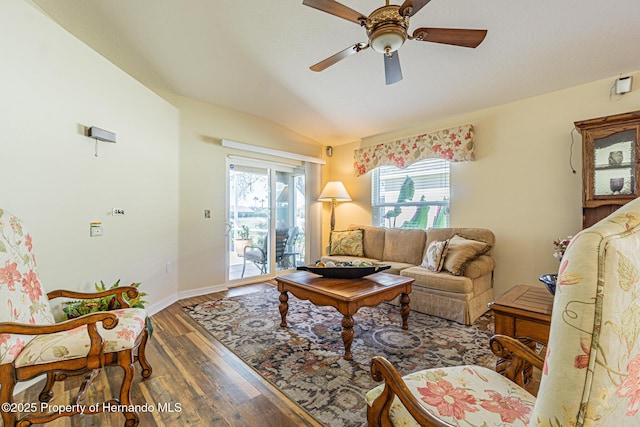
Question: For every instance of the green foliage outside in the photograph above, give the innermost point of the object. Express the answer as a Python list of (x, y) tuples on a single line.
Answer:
[(244, 232), (406, 195), (420, 218), (440, 221)]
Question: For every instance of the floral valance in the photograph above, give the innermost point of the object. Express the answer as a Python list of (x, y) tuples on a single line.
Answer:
[(455, 144)]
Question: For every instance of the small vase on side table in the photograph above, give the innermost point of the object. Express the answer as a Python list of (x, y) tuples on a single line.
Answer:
[(549, 281)]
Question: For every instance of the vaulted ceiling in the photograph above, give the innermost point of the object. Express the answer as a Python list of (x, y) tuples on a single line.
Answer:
[(254, 56)]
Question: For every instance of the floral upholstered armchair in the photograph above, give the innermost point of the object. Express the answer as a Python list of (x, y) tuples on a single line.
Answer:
[(591, 372), (33, 344)]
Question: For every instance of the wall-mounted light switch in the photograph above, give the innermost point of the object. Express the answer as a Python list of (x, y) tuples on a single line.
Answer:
[(96, 229)]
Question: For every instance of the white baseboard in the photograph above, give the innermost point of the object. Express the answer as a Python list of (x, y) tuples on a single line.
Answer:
[(201, 291), (161, 305)]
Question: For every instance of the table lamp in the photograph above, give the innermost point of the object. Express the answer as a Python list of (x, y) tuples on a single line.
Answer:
[(333, 192)]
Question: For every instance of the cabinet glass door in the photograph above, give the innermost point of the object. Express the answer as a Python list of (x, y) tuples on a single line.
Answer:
[(610, 164), (614, 164)]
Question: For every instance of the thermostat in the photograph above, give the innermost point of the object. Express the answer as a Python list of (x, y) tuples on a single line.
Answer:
[(96, 229)]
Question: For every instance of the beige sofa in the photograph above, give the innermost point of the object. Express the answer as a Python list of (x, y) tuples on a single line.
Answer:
[(462, 298)]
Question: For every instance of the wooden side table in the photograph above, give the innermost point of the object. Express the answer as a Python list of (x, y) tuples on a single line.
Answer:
[(524, 312)]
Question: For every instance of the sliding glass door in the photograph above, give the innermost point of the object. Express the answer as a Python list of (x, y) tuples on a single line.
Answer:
[(266, 218)]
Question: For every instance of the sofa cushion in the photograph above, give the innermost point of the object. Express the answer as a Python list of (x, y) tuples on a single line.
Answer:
[(348, 242), (396, 267), (461, 252), (404, 245), (481, 234), (434, 255), (441, 281), (373, 240)]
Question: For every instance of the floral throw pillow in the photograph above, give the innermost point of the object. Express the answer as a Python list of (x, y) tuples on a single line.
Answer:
[(461, 252), (347, 242), (434, 255)]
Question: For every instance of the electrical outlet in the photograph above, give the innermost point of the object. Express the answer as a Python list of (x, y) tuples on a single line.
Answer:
[(116, 211), (207, 213)]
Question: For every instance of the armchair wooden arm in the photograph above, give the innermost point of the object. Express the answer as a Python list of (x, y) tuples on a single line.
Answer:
[(378, 412), (95, 355), (516, 359), (109, 321), (131, 292)]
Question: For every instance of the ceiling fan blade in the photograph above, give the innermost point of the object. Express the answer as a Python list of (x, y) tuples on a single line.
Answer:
[(337, 9), (411, 7), (453, 36), (326, 63), (392, 70)]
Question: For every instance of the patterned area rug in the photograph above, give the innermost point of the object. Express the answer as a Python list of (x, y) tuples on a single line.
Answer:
[(305, 361)]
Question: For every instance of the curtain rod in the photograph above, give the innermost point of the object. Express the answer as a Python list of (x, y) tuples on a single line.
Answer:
[(272, 152)]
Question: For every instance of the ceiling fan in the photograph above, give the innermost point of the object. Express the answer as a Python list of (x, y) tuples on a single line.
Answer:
[(387, 31)]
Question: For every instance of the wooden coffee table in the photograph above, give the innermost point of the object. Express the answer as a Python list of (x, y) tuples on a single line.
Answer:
[(346, 295)]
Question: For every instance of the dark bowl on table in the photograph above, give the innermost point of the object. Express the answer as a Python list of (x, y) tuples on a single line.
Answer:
[(346, 272)]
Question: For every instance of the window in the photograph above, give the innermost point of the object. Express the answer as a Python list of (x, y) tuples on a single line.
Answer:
[(415, 197)]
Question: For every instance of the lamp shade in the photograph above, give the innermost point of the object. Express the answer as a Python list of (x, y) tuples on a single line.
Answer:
[(334, 191)]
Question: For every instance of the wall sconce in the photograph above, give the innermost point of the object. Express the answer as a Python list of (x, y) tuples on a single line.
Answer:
[(100, 135), (333, 192)]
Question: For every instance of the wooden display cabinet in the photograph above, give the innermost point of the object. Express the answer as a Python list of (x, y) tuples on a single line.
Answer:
[(610, 164)]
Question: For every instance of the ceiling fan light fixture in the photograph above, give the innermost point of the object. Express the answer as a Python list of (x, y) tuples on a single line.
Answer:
[(387, 38), (387, 29)]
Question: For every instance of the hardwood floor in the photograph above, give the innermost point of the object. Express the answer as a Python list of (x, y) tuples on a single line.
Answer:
[(194, 376)]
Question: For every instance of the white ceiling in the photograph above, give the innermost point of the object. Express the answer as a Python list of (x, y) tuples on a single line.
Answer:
[(254, 56)]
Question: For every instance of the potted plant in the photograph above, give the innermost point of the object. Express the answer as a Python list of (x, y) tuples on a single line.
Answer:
[(73, 309), (242, 240)]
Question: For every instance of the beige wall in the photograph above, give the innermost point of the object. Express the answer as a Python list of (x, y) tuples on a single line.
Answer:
[(168, 166), (520, 185), (203, 172), (52, 86)]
